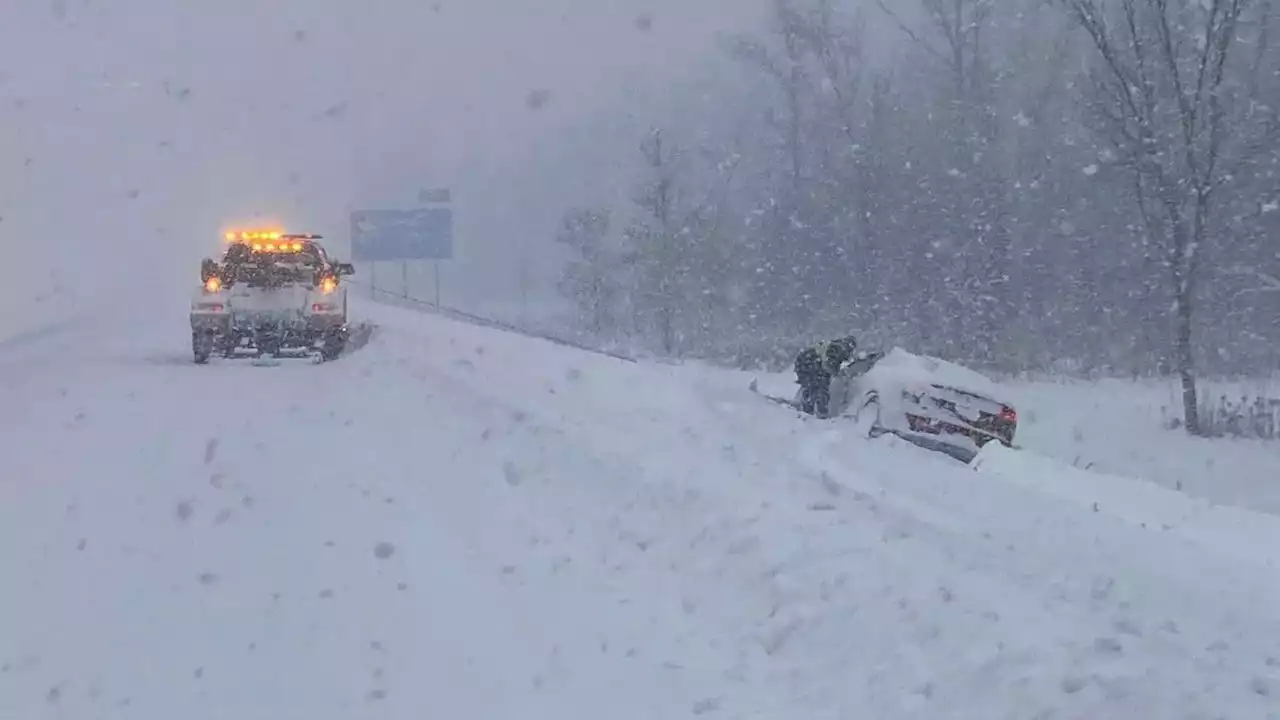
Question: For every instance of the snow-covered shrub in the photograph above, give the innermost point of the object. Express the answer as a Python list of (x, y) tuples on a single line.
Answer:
[(1245, 416)]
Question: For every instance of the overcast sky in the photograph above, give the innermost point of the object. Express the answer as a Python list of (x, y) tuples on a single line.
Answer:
[(157, 121)]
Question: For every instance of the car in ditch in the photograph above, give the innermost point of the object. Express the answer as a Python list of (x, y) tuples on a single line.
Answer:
[(924, 400)]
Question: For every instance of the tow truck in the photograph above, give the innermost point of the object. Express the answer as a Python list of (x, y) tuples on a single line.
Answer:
[(273, 294)]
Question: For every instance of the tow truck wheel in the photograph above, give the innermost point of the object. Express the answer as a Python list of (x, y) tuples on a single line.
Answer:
[(335, 341), (201, 347)]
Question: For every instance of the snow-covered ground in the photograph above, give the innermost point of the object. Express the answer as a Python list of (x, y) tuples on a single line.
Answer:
[(457, 522), (1120, 427)]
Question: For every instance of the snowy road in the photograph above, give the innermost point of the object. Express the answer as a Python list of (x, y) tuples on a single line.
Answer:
[(454, 522)]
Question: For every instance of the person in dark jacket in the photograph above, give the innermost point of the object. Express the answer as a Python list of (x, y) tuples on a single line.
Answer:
[(815, 367)]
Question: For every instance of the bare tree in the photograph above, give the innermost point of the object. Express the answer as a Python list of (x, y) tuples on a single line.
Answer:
[(984, 197), (590, 279), (798, 247), (792, 78), (1261, 281), (960, 23), (959, 34), (654, 249), (1161, 92)]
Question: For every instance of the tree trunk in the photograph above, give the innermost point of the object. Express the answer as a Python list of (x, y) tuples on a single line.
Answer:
[(1186, 365), (1183, 293), (666, 330)]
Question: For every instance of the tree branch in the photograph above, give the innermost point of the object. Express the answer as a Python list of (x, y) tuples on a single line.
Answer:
[(1266, 283), (906, 30)]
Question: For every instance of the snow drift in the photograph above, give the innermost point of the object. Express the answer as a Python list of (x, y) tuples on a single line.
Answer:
[(458, 522)]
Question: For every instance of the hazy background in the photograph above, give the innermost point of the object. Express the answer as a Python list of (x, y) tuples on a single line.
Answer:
[(134, 131)]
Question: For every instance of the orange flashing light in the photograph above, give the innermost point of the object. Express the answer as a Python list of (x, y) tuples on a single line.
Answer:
[(265, 241), (252, 235)]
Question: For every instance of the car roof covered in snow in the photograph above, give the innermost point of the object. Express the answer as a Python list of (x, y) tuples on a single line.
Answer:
[(903, 368)]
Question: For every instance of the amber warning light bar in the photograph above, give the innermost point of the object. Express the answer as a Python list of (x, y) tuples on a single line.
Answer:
[(271, 240)]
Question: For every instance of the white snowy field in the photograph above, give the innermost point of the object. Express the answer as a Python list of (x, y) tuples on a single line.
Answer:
[(457, 522), (1118, 426)]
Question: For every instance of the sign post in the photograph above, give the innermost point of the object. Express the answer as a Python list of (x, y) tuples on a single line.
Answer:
[(403, 235)]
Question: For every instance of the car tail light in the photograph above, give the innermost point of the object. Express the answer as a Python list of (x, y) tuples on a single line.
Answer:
[(323, 307), (1008, 414)]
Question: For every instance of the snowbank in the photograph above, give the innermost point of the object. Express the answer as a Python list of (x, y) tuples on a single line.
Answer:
[(1119, 427), (463, 523), (1234, 533)]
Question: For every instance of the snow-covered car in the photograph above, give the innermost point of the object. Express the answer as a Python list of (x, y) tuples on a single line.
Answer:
[(272, 294), (924, 400)]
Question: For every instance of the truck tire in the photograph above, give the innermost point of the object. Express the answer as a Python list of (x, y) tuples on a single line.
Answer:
[(201, 347), (335, 341)]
